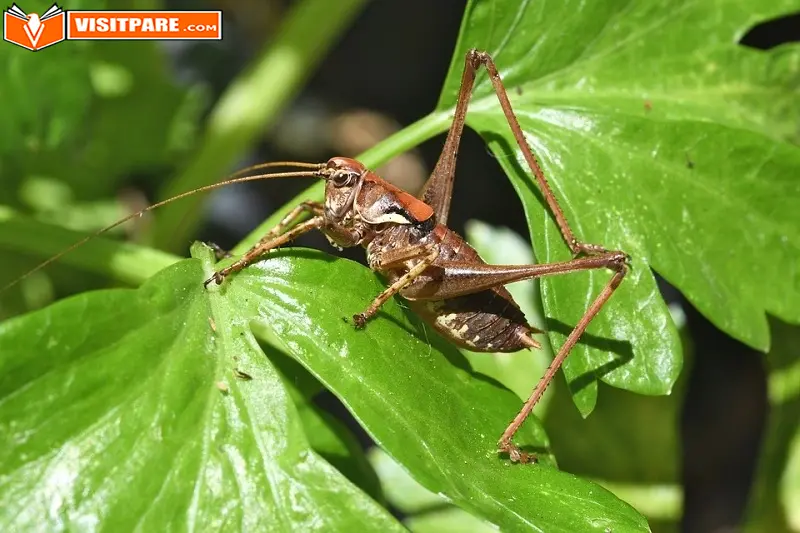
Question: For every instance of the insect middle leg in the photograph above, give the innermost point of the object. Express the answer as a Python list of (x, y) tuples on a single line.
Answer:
[(393, 259)]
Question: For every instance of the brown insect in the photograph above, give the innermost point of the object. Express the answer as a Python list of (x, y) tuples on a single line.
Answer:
[(407, 241)]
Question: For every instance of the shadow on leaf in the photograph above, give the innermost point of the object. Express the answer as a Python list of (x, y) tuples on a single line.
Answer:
[(622, 350)]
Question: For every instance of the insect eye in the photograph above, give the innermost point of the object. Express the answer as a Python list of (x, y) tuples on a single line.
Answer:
[(344, 178)]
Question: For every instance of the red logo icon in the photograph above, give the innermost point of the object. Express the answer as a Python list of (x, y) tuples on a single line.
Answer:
[(32, 31)]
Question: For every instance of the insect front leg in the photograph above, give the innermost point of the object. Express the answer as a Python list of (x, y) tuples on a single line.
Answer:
[(292, 217), (277, 236), (392, 259)]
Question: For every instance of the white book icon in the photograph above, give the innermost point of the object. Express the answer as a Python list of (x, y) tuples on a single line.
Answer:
[(34, 25)]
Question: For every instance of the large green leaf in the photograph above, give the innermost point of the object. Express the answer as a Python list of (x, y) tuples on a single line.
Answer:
[(661, 137), (445, 437), (123, 405), (122, 409)]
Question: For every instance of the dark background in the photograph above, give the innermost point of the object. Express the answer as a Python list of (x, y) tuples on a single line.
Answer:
[(386, 73)]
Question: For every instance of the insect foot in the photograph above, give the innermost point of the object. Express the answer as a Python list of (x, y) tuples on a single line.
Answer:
[(620, 261), (514, 453), (218, 277), (360, 320)]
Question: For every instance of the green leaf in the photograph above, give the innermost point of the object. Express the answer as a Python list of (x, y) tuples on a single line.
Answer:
[(121, 409), (613, 445), (327, 435), (662, 137), (643, 153), (123, 392), (445, 437)]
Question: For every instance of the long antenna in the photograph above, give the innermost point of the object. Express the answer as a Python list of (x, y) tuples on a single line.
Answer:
[(233, 178)]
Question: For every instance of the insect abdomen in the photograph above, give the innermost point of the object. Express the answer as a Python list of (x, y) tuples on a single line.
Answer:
[(480, 322), (485, 321)]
